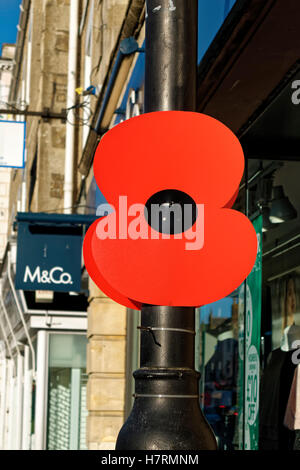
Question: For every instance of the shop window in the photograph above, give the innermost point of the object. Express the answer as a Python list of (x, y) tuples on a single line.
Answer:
[(219, 368), (279, 414), (228, 348), (67, 412), (280, 386)]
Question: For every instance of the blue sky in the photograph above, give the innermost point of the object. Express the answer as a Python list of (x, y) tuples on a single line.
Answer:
[(211, 14), (9, 17), (219, 309)]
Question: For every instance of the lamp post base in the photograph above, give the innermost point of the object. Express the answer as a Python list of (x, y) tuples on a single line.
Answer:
[(166, 414)]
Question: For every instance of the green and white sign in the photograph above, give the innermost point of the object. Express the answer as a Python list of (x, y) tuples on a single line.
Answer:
[(249, 350)]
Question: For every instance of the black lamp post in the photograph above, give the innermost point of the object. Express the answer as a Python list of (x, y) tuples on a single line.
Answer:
[(166, 414)]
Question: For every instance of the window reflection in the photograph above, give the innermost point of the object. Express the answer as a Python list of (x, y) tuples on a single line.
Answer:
[(219, 365)]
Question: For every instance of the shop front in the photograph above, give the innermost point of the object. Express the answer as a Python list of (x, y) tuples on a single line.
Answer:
[(43, 325), (252, 403), (249, 383), (228, 346)]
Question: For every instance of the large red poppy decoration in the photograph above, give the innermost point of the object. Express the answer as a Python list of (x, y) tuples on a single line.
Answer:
[(169, 156)]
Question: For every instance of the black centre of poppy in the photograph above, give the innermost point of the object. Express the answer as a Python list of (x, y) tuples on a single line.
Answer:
[(171, 211)]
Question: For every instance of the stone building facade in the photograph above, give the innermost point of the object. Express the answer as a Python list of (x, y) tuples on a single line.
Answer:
[(104, 24), (40, 84)]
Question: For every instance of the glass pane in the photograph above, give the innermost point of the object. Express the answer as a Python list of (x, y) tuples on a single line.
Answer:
[(67, 409), (279, 408), (67, 351), (219, 366), (59, 408), (285, 298)]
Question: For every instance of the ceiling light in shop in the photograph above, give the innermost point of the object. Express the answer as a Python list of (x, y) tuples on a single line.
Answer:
[(281, 207)]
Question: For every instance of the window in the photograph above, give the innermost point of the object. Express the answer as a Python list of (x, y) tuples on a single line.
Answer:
[(66, 428)]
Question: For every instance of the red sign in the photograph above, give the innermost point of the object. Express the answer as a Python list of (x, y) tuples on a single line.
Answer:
[(178, 160)]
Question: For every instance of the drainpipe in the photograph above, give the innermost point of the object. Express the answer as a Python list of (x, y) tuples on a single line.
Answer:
[(71, 99), (23, 186)]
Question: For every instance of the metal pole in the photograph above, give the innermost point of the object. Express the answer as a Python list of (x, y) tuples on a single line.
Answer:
[(166, 414), (171, 55)]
